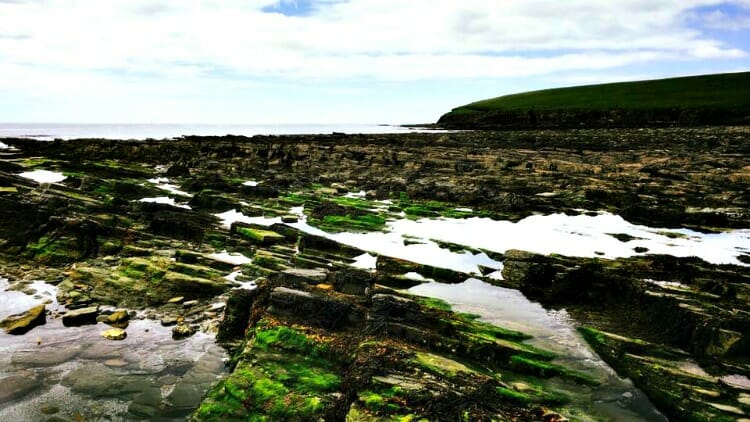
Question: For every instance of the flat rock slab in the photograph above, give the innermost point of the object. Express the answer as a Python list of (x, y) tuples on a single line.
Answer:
[(78, 317), (43, 358), (17, 386), (23, 322), (310, 276), (325, 311)]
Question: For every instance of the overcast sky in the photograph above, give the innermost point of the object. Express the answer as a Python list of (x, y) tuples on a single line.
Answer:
[(339, 61)]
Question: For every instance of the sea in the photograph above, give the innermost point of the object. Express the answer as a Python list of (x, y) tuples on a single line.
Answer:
[(51, 131)]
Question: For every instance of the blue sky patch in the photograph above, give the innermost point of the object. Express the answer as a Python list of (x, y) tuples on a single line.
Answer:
[(292, 7)]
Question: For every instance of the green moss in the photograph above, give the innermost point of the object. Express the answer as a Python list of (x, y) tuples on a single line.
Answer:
[(290, 381), (36, 161), (358, 203), (548, 370), (489, 331), (138, 268), (435, 303), (54, 250), (287, 339), (260, 236), (132, 273), (514, 396), (295, 199), (194, 270), (441, 365), (418, 211), (216, 240), (382, 401), (367, 222), (269, 261), (454, 213), (110, 247)]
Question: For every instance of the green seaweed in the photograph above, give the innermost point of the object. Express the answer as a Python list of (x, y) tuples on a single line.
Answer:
[(260, 236), (291, 380), (435, 303), (287, 339), (538, 368), (365, 222)]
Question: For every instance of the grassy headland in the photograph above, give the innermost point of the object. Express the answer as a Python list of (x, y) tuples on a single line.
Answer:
[(695, 100)]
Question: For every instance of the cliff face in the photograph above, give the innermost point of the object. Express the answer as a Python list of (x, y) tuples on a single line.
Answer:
[(466, 118)]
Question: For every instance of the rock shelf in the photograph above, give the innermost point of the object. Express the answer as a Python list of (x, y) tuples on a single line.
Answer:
[(319, 325)]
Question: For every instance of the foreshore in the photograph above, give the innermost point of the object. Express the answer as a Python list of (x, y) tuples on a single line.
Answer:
[(255, 241)]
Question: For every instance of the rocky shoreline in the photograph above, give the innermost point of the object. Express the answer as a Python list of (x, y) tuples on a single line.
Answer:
[(236, 237)]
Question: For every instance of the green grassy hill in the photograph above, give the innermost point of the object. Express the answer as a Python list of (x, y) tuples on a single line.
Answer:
[(695, 100)]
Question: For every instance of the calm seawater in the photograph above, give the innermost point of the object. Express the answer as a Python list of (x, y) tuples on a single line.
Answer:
[(50, 131)]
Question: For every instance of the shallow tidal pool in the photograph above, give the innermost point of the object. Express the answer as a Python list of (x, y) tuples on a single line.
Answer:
[(73, 373)]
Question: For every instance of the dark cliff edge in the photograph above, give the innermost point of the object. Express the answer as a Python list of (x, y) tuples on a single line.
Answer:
[(708, 100)]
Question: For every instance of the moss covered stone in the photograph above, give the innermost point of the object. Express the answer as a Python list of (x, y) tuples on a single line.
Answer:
[(291, 380), (260, 236)]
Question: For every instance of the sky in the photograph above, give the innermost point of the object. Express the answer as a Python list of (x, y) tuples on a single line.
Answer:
[(339, 61)]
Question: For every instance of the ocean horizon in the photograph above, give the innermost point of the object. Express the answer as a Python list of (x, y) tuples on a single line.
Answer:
[(52, 131)]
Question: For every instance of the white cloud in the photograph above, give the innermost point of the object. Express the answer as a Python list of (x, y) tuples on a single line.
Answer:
[(165, 48), (385, 39)]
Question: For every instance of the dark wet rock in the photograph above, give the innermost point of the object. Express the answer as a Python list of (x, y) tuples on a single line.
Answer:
[(188, 257), (177, 170), (305, 276), (677, 384), (352, 282), (319, 243), (179, 224), (213, 202), (212, 181), (623, 237), (259, 191), (78, 317), (390, 265), (326, 209), (289, 218), (320, 310), (397, 281), (23, 322), (236, 315)]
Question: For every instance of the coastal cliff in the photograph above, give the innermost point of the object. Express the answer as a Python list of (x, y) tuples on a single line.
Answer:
[(722, 99)]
